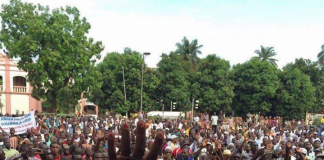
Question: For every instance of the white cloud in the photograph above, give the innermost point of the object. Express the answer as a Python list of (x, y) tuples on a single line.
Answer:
[(158, 34)]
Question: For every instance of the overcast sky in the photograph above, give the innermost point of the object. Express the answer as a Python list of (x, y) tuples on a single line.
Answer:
[(231, 29)]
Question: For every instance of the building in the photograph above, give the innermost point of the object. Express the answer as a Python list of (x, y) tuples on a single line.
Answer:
[(15, 90)]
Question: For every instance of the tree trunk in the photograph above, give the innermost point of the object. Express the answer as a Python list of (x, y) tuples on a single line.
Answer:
[(54, 103)]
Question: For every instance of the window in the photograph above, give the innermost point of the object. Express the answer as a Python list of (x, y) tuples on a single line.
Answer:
[(90, 109), (19, 84)]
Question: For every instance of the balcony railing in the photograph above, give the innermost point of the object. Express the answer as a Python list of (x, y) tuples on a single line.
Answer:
[(20, 89)]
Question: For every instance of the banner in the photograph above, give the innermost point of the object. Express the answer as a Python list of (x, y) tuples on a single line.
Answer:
[(21, 124)]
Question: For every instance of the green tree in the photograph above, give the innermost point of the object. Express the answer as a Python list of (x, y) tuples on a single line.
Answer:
[(296, 94), (266, 54), (151, 94), (189, 51), (316, 74), (52, 47), (256, 83), (111, 94), (320, 56), (174, 85), (215, 84)]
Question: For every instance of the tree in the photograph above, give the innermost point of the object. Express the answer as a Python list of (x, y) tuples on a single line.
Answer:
[(266, 54), (256, 83), (174, 85), (111, 94), (189, 51), (316, 75), (52, 47), (320, 56), (215, 84), (296, 94), (151, 93)]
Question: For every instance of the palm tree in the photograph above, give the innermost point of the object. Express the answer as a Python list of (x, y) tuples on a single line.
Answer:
[(189, 50), (266, 54), (320, 56)]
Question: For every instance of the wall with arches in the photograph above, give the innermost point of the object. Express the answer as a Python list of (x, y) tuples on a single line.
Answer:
[(15, 91)]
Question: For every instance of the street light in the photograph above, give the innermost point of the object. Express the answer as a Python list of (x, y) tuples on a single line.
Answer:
[(144, 54)]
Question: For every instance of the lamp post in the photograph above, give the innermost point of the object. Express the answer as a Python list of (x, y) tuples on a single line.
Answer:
[(162, 107), (144, 54)]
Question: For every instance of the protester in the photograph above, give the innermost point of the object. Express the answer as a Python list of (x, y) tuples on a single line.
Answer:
[(205, 137)]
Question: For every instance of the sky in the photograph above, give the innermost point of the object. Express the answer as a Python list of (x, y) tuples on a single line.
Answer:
[(232, 30)]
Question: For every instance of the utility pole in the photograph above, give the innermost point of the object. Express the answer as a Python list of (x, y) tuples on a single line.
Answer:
[(124, 88), (144, 54), (163, 109), (124, 84), (192, 109)]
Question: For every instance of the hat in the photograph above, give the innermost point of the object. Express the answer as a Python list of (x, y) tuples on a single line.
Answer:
[(65, 146), (320, 155), (173, 137), (167, 147), (208, 143), (315, 133), (26, 140), (184, 143), (303, 150), (227, 152), (317, 150)]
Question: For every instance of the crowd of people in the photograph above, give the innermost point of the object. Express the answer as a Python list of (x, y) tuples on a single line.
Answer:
[(204, 137)]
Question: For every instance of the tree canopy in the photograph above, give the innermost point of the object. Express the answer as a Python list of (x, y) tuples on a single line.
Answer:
[(174, 85), (320, 56), (296, 94), (215, 84), (189, 51), (267, 54), (256, 83), (316, 75), (52, 46)]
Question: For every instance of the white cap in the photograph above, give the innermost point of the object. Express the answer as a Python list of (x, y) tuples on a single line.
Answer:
[(304, 151), (168, 147)]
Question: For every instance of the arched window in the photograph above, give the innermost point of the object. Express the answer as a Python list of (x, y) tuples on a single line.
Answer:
[(19, 84)]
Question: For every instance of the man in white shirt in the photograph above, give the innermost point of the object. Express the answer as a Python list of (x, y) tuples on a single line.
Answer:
[(196, 118), (214, 120)]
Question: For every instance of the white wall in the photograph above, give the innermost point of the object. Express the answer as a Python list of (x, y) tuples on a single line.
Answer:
[(3, 101), (19, 102)]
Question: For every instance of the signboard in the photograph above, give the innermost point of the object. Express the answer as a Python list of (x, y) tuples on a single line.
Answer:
[(21, 124)]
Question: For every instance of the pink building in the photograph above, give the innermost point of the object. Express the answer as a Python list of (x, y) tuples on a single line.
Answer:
[(15, 90)]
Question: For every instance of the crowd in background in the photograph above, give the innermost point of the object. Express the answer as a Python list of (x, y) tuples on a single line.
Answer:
[(204, 137)]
